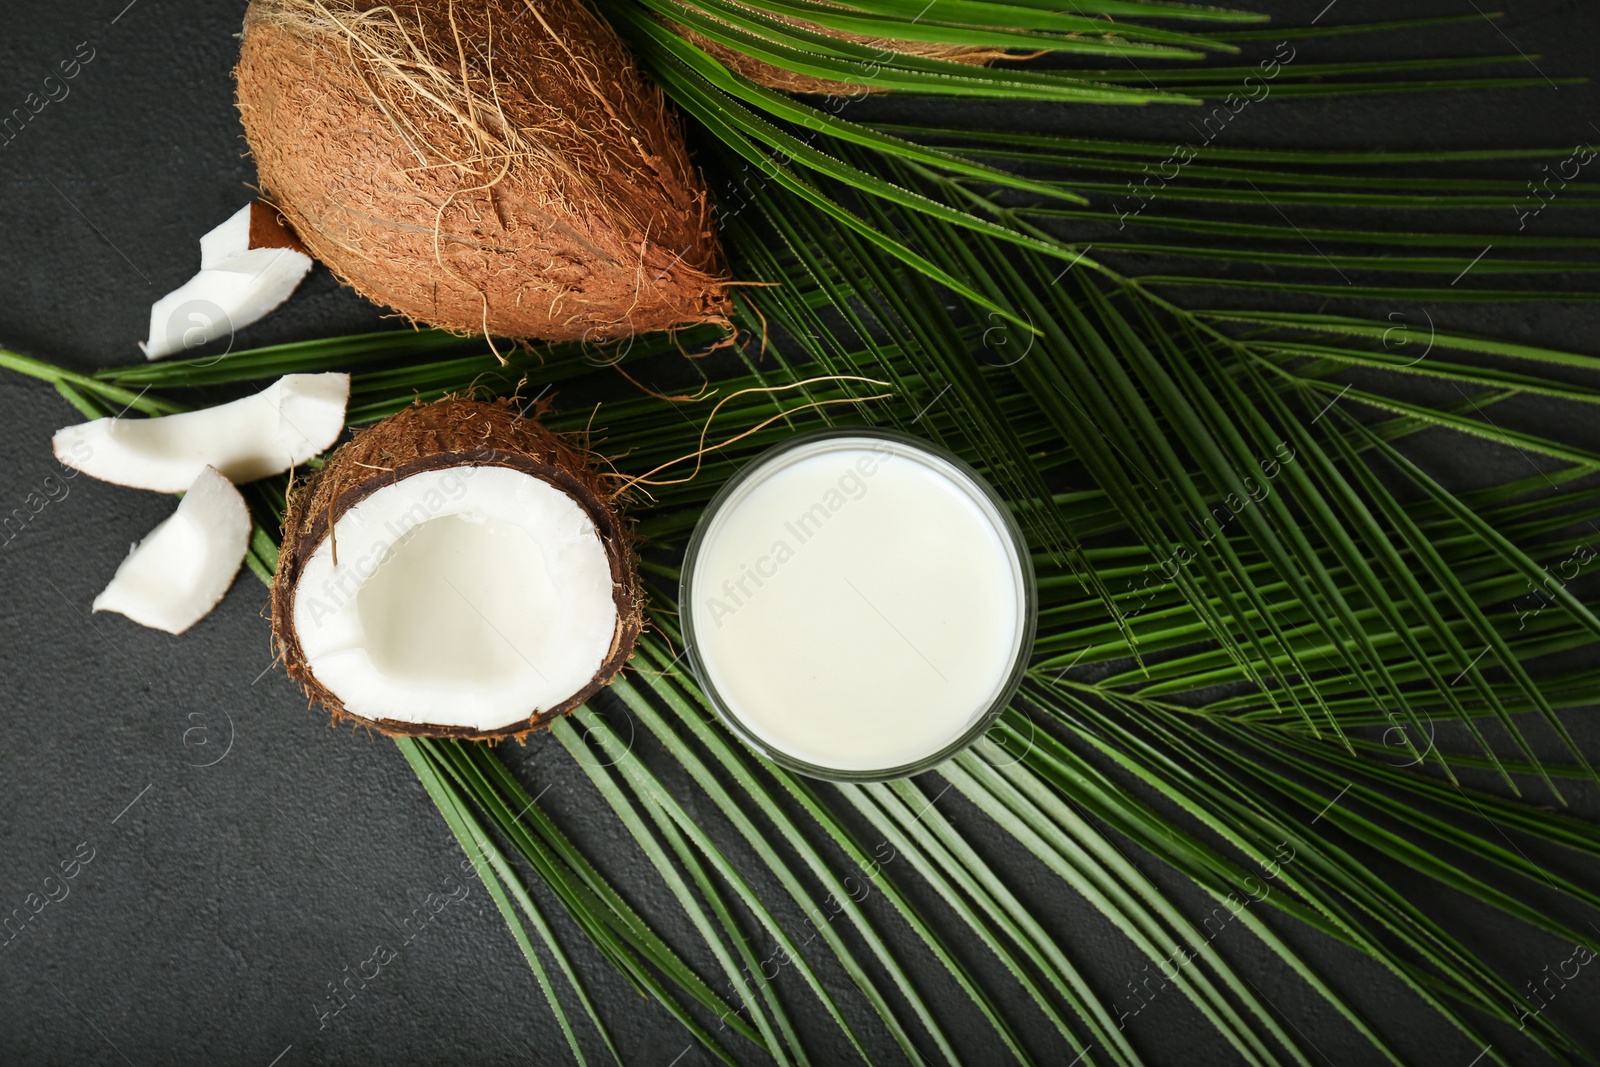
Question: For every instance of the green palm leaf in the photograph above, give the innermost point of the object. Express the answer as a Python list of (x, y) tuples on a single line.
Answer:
[(1311, 687)]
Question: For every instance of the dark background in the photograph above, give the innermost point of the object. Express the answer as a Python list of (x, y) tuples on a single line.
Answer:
[(221, 900)]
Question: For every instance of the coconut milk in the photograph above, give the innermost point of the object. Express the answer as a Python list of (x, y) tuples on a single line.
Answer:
[(857, 603)]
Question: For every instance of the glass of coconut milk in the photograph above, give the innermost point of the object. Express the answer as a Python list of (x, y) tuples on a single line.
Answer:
[(858, 604)]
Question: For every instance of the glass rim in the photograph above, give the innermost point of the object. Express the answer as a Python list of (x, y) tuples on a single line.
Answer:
[(1007, 527)]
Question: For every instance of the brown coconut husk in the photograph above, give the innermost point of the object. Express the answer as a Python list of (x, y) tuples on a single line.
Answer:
[(449, 433), (788, 81), (268, 230), (484, 166)]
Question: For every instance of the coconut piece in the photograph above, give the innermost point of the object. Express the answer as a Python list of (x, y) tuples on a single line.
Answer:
[(266, 433), (788, 81), (248, 266), (215, 303), (497, 166), (182, 568), (255, 228), (454, 571)]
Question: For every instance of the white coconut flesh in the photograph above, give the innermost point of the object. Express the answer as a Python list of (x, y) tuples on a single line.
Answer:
[(231, 238), (237, 285), (280, 427), (182, 568), (462, 597)]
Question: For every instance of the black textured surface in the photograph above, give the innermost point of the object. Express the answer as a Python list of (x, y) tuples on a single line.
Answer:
[(243, 855)]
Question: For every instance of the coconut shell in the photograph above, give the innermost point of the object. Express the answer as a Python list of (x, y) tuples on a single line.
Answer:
[(788, 81), (484, 166), (267, 229), (449, 433)]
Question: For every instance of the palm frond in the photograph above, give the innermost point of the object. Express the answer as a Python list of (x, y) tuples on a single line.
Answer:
[(1276, 655)]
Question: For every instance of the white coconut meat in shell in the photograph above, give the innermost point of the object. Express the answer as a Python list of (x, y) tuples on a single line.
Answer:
[(182, 568), (455, 570), (293, 419), (465, 597)]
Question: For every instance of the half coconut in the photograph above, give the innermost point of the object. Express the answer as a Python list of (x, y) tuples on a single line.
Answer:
[(455, 571)]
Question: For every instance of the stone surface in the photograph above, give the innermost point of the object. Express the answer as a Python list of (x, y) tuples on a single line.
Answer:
[(243, 854)]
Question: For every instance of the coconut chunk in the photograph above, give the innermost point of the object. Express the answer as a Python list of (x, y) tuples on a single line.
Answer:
[(182, 568), (248, 266), (282, 426), (228, 239), (255, 227), (455, 571)]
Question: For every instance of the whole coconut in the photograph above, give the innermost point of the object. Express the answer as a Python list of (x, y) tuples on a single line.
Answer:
[(494, 166)]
